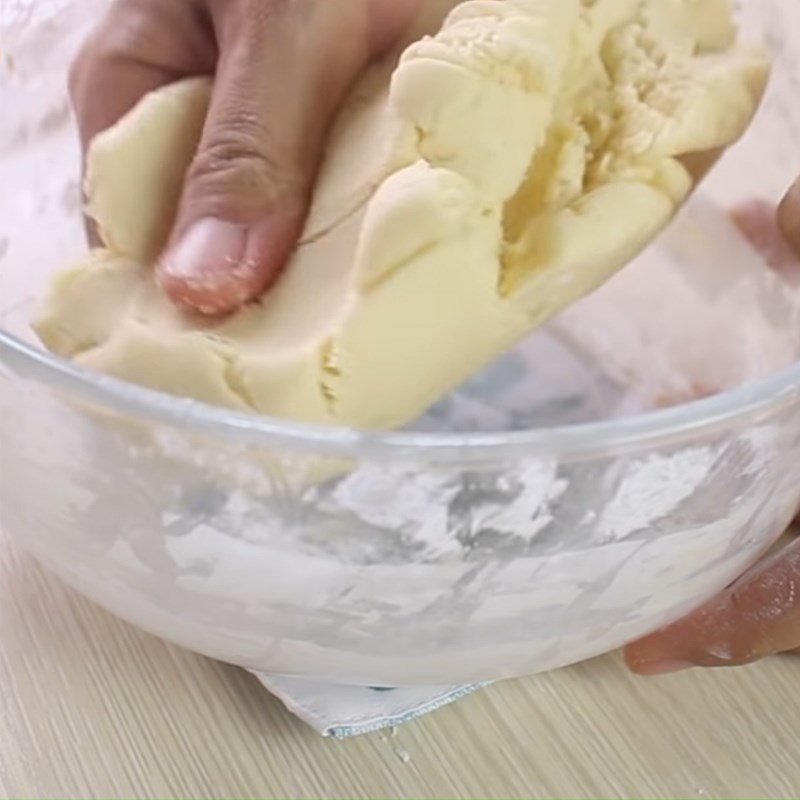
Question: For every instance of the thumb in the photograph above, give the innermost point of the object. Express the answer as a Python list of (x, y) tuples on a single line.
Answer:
[(284, 67)]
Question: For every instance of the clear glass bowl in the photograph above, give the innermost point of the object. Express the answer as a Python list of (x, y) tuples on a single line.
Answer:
[(428, 556)]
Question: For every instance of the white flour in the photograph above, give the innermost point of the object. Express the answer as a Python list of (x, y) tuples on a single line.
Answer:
[(652, 489)]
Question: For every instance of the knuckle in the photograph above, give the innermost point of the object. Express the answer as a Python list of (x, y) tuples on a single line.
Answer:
[(241, 161), (166, 36), (92, 60), (249, 18)]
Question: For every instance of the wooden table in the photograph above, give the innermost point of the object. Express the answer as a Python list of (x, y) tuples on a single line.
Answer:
[(90, 707)]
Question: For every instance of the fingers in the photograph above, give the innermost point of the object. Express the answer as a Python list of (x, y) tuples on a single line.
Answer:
[(282, 68), (139, 46), (757, 617), (283, 71), (789, 217)]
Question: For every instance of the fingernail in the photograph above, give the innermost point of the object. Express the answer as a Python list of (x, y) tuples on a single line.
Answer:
[(207, 250), (665, 667)]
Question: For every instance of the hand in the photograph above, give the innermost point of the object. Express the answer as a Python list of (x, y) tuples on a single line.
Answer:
[(760, 614), (789, 217), (282, 68)]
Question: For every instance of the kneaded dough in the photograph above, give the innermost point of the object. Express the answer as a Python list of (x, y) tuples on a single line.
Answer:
[(477, 182)]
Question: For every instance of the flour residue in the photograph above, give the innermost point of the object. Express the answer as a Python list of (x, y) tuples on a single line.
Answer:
[(652, 489)]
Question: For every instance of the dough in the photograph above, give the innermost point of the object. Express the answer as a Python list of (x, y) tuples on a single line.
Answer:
[(474, 185)]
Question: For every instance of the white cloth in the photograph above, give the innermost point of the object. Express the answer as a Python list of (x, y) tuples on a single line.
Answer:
[(344, 711)]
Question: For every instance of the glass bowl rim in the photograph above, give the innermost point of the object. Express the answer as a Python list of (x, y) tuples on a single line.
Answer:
[(749, 404)]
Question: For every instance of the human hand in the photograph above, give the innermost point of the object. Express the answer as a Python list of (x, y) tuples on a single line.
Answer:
[(760, 614), (282, 68), (789, 217)]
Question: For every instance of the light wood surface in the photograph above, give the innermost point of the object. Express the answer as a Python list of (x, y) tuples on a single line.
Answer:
[(90, 707)]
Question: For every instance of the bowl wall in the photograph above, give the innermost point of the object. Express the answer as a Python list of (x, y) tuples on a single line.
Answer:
[(331, 556)]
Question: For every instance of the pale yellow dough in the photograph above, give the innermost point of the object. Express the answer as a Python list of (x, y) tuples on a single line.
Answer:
[(494, 174)]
